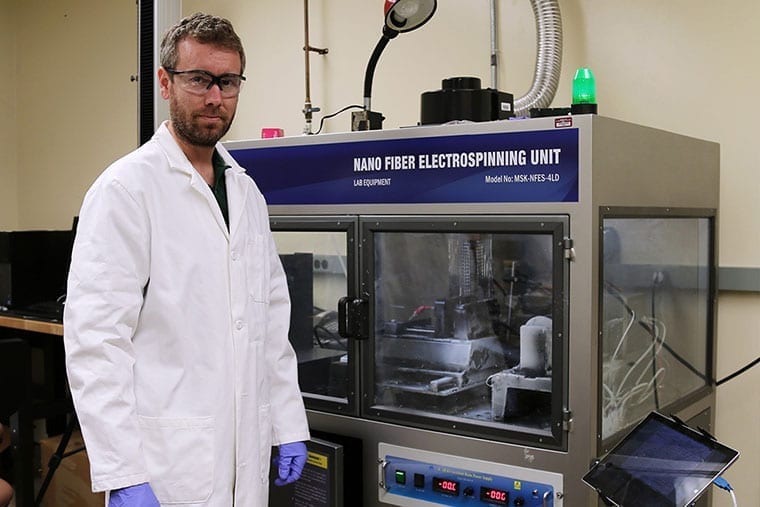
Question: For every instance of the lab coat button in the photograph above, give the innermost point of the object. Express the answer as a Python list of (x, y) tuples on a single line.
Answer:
[(239, 324), (235, 255)]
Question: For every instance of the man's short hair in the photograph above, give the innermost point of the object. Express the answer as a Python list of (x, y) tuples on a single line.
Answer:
[(204, 28)]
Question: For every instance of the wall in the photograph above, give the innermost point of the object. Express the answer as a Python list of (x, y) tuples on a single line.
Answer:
[(684, 66), (76, 106), (8, 138), (690, 67)]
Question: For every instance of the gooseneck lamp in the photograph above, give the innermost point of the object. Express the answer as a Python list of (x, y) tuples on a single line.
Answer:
[(400, 16)]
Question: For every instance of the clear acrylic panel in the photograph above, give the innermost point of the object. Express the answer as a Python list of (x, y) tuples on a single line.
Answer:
[(315, 263), (656, 315), (463, 327)]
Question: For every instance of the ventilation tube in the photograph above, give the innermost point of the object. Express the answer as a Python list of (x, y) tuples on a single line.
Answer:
[(548, 57)]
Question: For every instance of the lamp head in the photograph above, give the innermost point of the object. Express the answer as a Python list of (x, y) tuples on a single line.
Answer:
[(400, 16), (406, 15)]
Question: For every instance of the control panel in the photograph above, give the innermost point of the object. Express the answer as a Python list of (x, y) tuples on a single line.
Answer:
[(412, 477)]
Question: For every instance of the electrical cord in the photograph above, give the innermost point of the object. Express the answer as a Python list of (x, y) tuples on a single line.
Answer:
[(322, 120), (656, 280), (738, 372), (723, 484), (630, 391), (614, 291)]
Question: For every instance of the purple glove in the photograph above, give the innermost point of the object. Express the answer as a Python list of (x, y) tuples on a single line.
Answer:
[(139, 495), (290, 462)]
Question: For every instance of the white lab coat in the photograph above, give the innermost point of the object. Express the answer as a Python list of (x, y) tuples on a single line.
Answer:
[(176, 333)]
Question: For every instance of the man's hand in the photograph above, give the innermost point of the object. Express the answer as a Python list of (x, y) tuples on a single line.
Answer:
[(290, 462), (140, 495)]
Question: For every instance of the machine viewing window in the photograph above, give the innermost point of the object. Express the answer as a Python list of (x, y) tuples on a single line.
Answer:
[(656, 315), (317, 266), (468, 322)]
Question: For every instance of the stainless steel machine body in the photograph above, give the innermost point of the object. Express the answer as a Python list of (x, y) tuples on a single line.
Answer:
[(490, 306)]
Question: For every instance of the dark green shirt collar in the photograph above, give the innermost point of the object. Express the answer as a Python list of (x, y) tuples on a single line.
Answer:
[(219, 188)]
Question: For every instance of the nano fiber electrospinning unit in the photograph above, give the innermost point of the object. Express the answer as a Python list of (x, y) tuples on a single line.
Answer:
[(489, 307)]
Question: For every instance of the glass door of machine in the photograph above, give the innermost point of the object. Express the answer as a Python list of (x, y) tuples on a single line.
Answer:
[(467, 321), (318, 256), (656, 320)]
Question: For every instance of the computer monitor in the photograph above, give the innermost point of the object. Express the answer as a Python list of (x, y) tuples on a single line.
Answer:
[(34, 266)]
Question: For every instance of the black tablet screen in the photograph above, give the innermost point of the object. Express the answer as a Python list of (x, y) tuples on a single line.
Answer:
[(659, 463)]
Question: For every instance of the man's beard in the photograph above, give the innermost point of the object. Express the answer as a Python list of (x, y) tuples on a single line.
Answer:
[(187, 129)]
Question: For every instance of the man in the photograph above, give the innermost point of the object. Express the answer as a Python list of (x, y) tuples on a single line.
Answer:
[(177, 309)]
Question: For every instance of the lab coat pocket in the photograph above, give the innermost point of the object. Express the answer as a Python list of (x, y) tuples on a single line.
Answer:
[(257, 268), (179, 454)]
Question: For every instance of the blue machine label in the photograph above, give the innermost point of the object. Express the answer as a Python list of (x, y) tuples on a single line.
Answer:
[(534, 166)]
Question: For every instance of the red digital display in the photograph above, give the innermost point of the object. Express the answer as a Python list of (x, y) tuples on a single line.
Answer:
[(446, 486), (494, 496)]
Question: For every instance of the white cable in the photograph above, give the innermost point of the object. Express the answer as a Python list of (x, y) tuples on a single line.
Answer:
[(624, 335), (644, 355), (617, 399)]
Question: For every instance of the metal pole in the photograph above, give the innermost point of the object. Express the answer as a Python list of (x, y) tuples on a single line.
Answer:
[(307, 78), (494, 51), (307, 107)]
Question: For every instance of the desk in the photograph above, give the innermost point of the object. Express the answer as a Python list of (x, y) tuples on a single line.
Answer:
[(37, 326), (46, 395)]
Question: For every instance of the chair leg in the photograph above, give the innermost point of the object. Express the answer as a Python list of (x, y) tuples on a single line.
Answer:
[(22, 449), (56, 458)]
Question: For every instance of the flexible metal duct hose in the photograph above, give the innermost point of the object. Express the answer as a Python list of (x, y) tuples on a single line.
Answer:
[(548, 58)]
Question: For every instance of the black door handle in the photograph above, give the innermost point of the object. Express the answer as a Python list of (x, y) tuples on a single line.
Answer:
[(353, 318)]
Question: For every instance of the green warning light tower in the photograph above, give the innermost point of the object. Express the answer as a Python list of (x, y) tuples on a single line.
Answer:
[(584, 92)]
